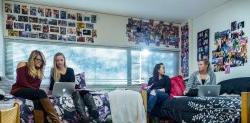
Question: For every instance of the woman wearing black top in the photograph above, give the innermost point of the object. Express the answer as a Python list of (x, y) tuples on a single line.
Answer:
[(159, 87), (61, 73)]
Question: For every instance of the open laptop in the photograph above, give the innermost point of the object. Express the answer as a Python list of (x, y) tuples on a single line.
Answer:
[(63, 88), (208, 90)]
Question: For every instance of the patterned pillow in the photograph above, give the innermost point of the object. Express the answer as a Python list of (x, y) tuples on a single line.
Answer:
[(80, 80)]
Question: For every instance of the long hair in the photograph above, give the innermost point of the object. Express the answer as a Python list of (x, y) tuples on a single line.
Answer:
[(155, 72), (32, 70), (206, 62), (55, 72)]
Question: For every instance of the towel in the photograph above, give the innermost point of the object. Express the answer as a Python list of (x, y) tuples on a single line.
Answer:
[(126, 107)]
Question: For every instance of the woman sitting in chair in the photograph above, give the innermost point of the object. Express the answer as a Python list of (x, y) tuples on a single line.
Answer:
[(28, 80), (61, 73), (159, 87)]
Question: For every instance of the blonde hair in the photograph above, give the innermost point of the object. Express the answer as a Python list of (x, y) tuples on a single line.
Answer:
[(206, 62), (32, 70), (55, 72)]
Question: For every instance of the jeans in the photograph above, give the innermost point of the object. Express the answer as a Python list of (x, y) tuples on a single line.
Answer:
[(155, 97)]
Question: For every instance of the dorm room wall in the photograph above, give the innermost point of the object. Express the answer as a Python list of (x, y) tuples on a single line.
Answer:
[(220, 19), (111, 31)]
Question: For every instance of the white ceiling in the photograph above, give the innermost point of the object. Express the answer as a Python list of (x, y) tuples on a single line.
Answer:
[(167, 10)]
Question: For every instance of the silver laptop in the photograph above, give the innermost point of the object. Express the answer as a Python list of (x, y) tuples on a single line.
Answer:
[(208, 90), (63, 88)]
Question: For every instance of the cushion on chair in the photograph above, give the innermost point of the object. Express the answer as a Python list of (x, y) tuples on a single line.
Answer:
[(177, 86)]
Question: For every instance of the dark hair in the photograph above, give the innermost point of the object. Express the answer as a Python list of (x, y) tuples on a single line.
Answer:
[(155, 72)]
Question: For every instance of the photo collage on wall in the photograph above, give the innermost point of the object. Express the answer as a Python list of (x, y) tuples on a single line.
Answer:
[(152, 32), (203, 45), (42, 22), (230, 48), (185, 50)]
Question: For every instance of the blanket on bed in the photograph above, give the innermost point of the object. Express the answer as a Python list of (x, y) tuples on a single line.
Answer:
[(222, 109)]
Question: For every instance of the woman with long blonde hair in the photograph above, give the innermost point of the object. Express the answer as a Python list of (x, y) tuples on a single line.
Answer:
[(61, 73), (28, 79)]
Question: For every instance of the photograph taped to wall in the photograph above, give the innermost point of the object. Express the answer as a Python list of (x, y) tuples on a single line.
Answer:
[(80, 39), (25, 9), (39, 18), (54, 29), (45, 28), (23, 18), (79, 16), (8, 7), (33, 35), (33, 19), (36, 27), (43, 35), (48, 12), (33, 10), (24, 34), (13, 33), (55, 13), (17, 8), (9, 24), (43, 21), (28, 27), (40, 11), (11, 17)]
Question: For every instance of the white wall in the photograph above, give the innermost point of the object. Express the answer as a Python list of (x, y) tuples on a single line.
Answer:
[(220, 19), (1, 42), (111, 31)]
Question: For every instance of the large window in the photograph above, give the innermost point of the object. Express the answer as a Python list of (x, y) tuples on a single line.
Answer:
[(102, 65), (143, 63)]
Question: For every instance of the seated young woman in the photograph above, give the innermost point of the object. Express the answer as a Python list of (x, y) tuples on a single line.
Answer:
[(158, 88), (28, 79), (204, 76), (61, 73)]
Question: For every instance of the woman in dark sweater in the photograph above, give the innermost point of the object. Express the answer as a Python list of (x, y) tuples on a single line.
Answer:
[(159, 87), (28, 80), (61, 73)]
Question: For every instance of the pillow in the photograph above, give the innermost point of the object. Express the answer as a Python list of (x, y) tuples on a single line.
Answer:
[(80, 81), (235, 86), (177, 86)]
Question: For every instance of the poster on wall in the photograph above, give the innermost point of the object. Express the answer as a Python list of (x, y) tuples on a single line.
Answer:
[(24, 20), (230, 48), (185, 50), (152, 32), (203, 45)]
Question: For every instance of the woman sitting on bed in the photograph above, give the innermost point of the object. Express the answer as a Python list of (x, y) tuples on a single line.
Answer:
[(61, 73), (28, 79), (204, 76), (159, 87)]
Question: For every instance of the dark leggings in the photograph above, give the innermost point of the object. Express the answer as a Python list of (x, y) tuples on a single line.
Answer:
[(32, 94)]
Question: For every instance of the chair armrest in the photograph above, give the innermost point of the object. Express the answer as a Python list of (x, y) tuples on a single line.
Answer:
[(245, 107), (144, 98)]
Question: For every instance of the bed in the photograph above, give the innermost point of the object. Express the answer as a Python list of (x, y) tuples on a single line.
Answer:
[(65, 108)]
